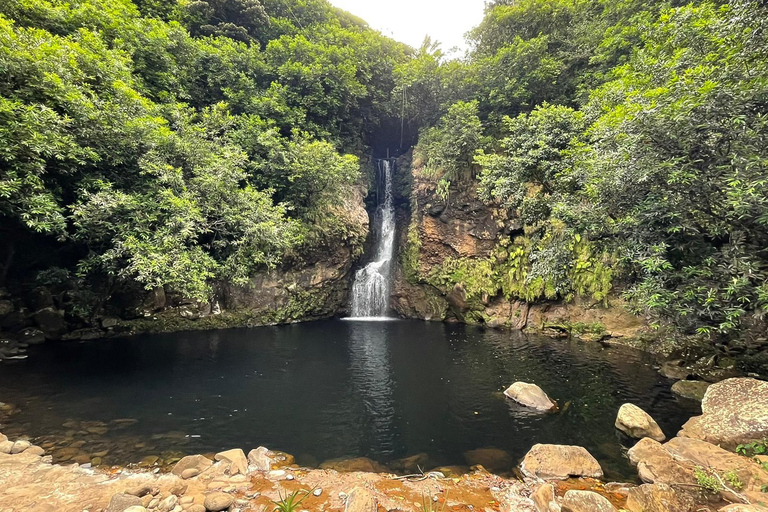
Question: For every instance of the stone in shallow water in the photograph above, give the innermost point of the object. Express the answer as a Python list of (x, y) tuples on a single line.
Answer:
[(492, 459), (558, 462), (530, 395), (693, 389), (585, 501), (637, 423), (355, 464)]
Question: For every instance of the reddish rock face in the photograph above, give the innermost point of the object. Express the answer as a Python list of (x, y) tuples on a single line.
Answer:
[(735, 411)]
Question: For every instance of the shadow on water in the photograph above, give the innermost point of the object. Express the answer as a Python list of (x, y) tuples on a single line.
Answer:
[(330, 389)]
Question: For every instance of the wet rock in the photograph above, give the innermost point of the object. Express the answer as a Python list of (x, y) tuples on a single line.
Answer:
[(675, 369), (693, 389), (558, 462), (32, 336), (530, 395), (544, 499), (363, 464), (237, 463), (109, 321), (451, 471), (657, 498), (6, 307), (20, 446), (51, 322), (217, 501), (585, 501), (120, 502), (90, 333), (412, 464), (360, 500), (492, 459), (735, 411), (197, 462), (637, 423)]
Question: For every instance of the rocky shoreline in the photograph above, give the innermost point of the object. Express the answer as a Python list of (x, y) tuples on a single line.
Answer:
[(696, 471)]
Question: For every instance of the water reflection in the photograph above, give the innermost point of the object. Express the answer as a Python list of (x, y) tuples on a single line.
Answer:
[(329, 389), (371, 375)]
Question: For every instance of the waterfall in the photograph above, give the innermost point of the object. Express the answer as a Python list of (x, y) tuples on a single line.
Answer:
[(370, 292)]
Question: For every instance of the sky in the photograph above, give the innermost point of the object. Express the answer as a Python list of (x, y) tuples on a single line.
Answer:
[(410, 20)]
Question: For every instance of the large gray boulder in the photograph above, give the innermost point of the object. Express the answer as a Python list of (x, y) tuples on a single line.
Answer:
[(735, 411), (530, 395), (637, 423), (559, 462)]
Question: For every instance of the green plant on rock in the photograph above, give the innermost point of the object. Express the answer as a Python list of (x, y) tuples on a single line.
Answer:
[(753, 448), (733, 480), (706, 480), (290, 502)]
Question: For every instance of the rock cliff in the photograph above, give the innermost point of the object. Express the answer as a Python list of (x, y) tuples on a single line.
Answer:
[(456, 265)]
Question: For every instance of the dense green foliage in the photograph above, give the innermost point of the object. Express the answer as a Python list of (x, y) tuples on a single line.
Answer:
[(630, 140), (178, 143)]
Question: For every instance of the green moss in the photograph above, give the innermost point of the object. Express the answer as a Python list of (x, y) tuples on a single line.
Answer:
[(508, 272), (409, 256)]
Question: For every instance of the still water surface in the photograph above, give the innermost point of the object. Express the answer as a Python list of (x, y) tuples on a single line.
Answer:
[(334, 388)]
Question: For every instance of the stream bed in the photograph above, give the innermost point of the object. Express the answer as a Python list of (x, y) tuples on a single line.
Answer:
[(329, 389)]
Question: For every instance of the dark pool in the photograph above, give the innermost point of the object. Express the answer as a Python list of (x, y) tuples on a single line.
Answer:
[(322, 390)]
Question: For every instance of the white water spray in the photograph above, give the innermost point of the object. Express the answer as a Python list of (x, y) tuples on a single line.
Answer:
[(370, 292)]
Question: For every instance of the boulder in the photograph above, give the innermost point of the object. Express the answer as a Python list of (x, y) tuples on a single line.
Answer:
[(263, 459), (6, 446), (6, 307), (735, 411), (657, 498), (20, 446), (197, 462), (586, 501), (135, 508), (492, 459), (693, 389), (360, 500), (120, 502), (657, 465), (544, 499), (217, 501), (238, 464), (637, 423), (530, 395), (363, 464), (558, 462), (51, 322)]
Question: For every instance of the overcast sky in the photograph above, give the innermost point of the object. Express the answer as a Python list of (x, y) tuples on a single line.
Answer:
[(410, 20)]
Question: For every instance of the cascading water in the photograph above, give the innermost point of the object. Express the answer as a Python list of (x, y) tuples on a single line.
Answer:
[(370, 292)]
